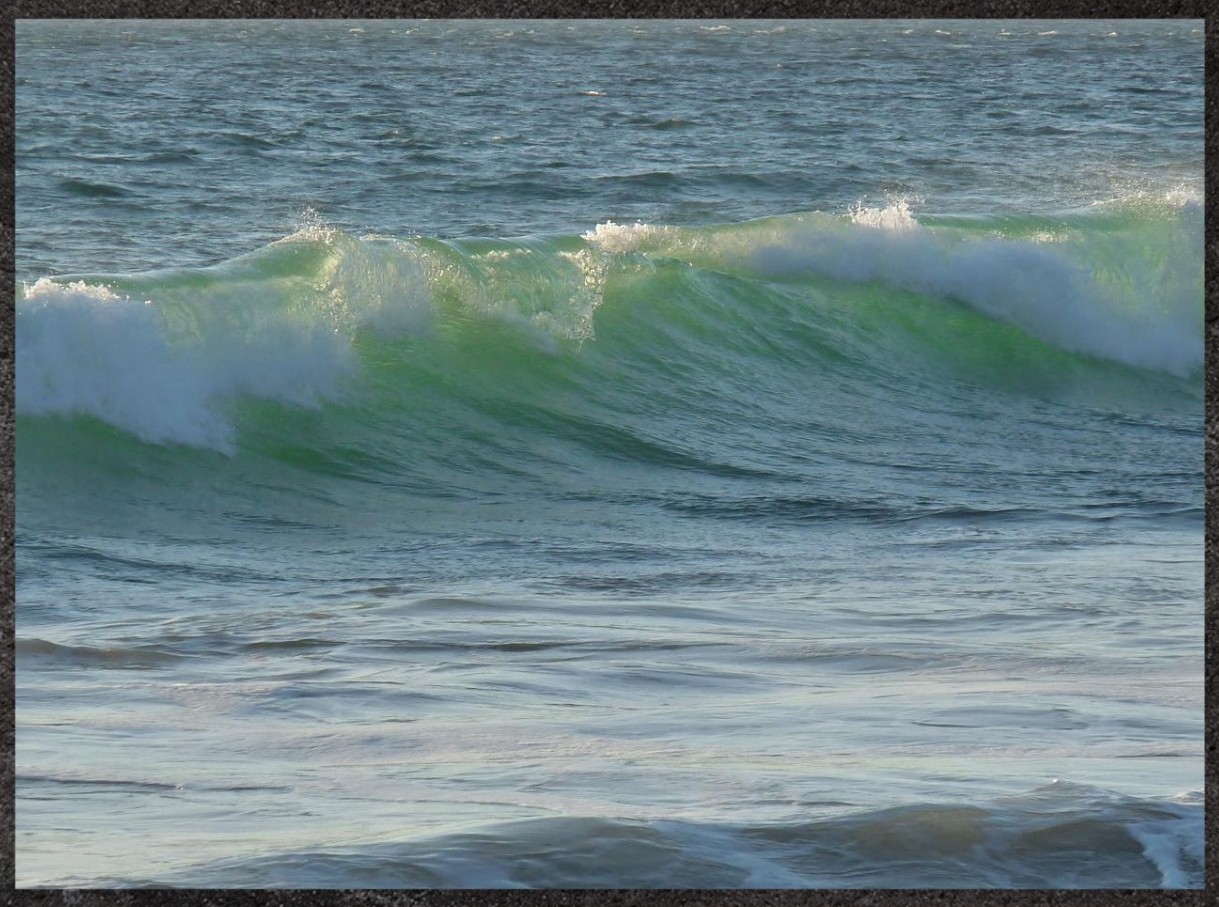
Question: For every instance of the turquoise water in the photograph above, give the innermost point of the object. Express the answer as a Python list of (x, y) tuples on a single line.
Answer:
[(631, 454)]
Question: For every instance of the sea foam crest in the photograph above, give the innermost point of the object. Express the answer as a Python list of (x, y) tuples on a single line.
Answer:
[(896, 216), (83, 349), (1174, 845), (636, 237), (1140, 308)]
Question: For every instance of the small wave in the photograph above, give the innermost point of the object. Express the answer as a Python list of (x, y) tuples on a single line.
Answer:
[(141, 786), (183, 156), (1061, 835), (93, 189), (43, 653), (245, 140), (670, 124)]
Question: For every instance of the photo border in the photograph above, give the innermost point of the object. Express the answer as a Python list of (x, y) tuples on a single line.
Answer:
[(542, 9)]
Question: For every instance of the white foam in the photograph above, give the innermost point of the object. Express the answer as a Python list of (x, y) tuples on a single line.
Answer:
[(1139, 193), (1147, 319), (895, 216), (1175, 846), (85, 349), (636, 237), (167, 361), (309, 225)]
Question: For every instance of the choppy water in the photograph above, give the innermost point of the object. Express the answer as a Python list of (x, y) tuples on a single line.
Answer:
[(559, 454)]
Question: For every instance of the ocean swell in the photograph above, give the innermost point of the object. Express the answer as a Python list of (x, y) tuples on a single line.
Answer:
[(164, 355)]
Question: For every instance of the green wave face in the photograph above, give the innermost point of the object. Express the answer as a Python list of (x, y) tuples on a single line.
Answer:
[(784, 323)]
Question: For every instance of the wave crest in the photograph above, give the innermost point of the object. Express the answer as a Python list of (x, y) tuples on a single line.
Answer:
[(84, 349), (162, 355)]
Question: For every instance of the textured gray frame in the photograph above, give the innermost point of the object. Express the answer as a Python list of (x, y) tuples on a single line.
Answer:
[(778, 9)]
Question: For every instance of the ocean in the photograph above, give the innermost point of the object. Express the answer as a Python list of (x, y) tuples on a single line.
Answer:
[(568, 454)]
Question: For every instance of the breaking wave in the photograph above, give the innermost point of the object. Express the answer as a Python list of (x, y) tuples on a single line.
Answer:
[(325, 318)]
